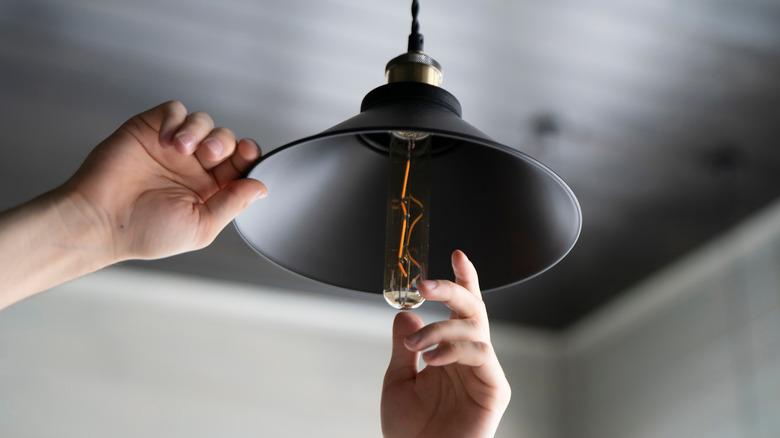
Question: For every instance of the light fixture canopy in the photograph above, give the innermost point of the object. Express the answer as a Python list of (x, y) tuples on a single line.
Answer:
[(324, 217)]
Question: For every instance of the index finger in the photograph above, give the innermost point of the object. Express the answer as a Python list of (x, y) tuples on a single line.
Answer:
[(165, 118), (461, 301)]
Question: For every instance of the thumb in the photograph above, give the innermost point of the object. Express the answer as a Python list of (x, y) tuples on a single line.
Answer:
[(465, 272), (403, 362), (228, 202)]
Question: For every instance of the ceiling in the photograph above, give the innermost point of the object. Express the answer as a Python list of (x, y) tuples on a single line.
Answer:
[(663, 116)]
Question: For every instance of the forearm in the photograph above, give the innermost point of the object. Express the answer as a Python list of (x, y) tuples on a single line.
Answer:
[(50, 240)]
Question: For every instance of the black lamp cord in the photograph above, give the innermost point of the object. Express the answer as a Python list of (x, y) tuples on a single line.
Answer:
[(415, 38)]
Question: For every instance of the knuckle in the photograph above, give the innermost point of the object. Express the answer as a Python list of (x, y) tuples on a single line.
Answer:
[(507, 393), (448, 284), (430, 333), (174, 106), (482, 347), (503, 393), (201, 117), (446, 288), (233, 190), (222, 131), (472, 324), (481, 352), (133, 126)]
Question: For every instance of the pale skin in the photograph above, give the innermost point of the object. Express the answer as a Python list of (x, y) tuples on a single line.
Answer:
[(462, 392), (167, 182)]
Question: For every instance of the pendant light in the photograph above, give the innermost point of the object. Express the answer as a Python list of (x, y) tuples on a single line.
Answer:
[(379, 201)]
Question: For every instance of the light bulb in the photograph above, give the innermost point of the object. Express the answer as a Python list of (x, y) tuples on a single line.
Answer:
[(408, 218)]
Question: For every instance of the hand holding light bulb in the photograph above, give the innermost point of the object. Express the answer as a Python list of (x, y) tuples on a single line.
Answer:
[(463, 391)]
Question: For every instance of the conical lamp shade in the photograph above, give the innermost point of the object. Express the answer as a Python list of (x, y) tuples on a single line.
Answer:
[(324, 217)]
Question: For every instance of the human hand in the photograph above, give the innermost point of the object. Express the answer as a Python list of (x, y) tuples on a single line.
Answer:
[(164, 183), (462, 392)]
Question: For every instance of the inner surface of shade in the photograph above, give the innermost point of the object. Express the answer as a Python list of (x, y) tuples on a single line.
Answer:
[(324, 216)]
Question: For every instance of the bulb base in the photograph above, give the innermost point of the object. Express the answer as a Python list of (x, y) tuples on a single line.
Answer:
[(404, 300)]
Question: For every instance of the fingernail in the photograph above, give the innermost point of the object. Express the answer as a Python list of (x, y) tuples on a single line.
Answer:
[(262, 193), (413, 339), (431, 354), (214, 146), (429, 284), (185, 142)]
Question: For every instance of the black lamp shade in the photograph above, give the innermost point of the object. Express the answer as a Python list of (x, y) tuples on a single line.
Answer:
[(324, 217)]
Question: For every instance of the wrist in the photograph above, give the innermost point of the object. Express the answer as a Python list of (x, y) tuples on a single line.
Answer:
[(83, 227), (54, 238)]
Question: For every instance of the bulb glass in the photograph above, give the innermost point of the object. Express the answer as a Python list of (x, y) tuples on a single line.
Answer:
[(408, 218)]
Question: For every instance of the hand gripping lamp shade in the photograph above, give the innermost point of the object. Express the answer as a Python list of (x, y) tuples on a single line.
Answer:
[(378, 202)]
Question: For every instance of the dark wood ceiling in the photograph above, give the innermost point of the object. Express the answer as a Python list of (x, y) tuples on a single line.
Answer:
[(664, 117)]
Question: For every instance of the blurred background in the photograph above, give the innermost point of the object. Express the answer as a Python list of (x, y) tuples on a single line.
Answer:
[(664, 117)]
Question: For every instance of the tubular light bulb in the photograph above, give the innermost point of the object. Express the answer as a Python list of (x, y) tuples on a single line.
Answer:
[(408, 218)]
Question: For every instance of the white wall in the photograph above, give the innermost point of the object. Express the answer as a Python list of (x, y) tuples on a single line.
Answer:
[(126, 353), (692, 352)]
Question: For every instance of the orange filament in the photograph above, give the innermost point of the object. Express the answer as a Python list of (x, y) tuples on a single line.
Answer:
[(403, 230), (403, 205), (403, 271), (417, 219), (411, 228), (404, 255), (406, 178), (416, 263)]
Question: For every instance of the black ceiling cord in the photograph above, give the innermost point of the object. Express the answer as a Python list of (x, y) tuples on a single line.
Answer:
[(415, 38)]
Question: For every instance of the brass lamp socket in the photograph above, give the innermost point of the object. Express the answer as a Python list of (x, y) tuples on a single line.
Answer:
[(414, 67)]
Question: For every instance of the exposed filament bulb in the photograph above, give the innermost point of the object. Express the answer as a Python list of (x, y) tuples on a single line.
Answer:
[(407, 219)]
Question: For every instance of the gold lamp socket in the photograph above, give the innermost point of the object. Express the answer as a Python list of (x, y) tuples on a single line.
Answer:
[(414, 67)]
